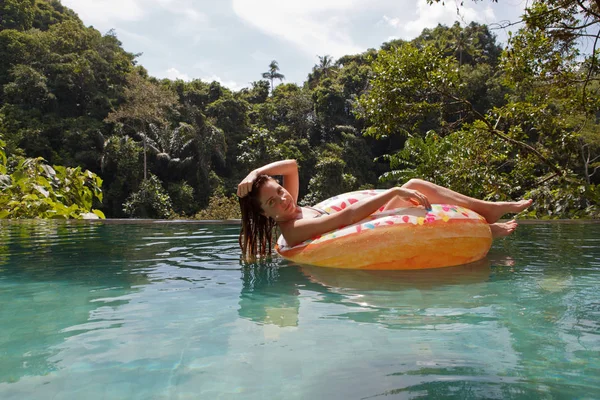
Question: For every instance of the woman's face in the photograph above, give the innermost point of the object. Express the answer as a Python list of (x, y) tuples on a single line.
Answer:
[(276, 202)]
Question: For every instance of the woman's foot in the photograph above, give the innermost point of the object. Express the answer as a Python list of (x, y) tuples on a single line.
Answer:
[(496, 210), (503, 229)]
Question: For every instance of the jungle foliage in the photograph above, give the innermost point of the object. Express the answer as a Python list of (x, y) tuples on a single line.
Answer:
[(452, 106), (30, 188)]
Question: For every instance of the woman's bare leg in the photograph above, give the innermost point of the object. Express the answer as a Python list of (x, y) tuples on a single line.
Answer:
[(397, 202), (491, 211)]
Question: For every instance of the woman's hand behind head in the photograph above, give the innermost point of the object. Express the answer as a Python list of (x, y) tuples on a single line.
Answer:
[(245, 186)]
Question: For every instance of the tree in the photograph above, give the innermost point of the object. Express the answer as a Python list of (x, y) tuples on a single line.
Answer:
[(60, 81), (473, 44), (331, 108), (325, 65), (120, 167), (273, 73), (498, 123), (570, 28), (324, 69), (258, 93), (172, 148), (28, 88), (145, 103), (539, 140), (411, 83), (17, 14), (150, 201), (289, 113), (330, 177)]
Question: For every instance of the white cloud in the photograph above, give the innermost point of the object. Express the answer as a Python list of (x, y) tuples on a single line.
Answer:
[(314, 26), (193, 26), (132, 37), (174, 74), (194, 15), (429, 16), (393, 22), (103, 12), (229, 84), (189, 39), (205, 65)]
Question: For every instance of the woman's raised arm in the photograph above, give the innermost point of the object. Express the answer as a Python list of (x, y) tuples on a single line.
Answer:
[(297, 231), (287, 168)]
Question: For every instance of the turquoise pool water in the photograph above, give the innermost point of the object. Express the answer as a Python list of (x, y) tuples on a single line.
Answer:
[(166, 311)]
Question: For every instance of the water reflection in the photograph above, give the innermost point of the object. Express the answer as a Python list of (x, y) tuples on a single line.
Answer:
[(270, 293), (37, 251), (358, 280), (488, 329), (271, 289)]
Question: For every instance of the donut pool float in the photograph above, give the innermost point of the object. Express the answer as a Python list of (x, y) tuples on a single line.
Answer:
[(399, 239)]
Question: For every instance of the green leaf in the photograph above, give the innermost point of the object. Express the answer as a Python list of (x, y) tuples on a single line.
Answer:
[(48, 170), (99, 213), (40, 189)]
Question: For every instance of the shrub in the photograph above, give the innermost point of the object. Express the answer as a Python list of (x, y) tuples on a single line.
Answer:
[(30, 188), (150, 201), (221, 207), (182, 196)]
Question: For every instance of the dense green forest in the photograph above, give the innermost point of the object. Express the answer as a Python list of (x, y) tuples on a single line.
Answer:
[(452, 106)]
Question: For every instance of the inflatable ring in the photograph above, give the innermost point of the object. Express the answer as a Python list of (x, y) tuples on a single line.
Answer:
[(403, 238)]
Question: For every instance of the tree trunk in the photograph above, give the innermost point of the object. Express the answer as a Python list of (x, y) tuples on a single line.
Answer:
[(145, 164)]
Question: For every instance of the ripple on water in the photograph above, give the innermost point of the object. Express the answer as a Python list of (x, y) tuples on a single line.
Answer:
[(169, 311)]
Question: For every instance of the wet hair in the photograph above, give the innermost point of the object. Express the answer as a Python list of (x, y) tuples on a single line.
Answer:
[(256, 236)]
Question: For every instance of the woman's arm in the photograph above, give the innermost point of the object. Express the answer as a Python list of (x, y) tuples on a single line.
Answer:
[(297, 231), (287, 168)]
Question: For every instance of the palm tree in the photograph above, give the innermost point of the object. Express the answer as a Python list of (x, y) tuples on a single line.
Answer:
[(462, 41), (324, 69), (272, 73), (171, 147), (325, 65), (184, 148)]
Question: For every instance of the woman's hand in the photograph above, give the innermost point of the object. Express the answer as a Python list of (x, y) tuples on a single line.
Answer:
[(245, 185), (415, 197)]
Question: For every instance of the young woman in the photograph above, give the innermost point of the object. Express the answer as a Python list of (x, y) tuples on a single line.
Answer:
[(265, 203)]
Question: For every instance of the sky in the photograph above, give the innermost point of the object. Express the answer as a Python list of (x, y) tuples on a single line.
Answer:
[(233, 41)]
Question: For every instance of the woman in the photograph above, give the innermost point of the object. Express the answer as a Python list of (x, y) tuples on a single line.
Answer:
[(265, 203)]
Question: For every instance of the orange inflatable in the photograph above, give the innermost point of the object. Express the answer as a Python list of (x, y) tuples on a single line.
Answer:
[(400, 239)]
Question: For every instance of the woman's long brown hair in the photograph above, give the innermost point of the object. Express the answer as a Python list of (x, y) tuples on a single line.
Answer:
[(257, 229)]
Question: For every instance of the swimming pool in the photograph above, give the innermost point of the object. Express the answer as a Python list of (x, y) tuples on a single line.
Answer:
[(166, 311)]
